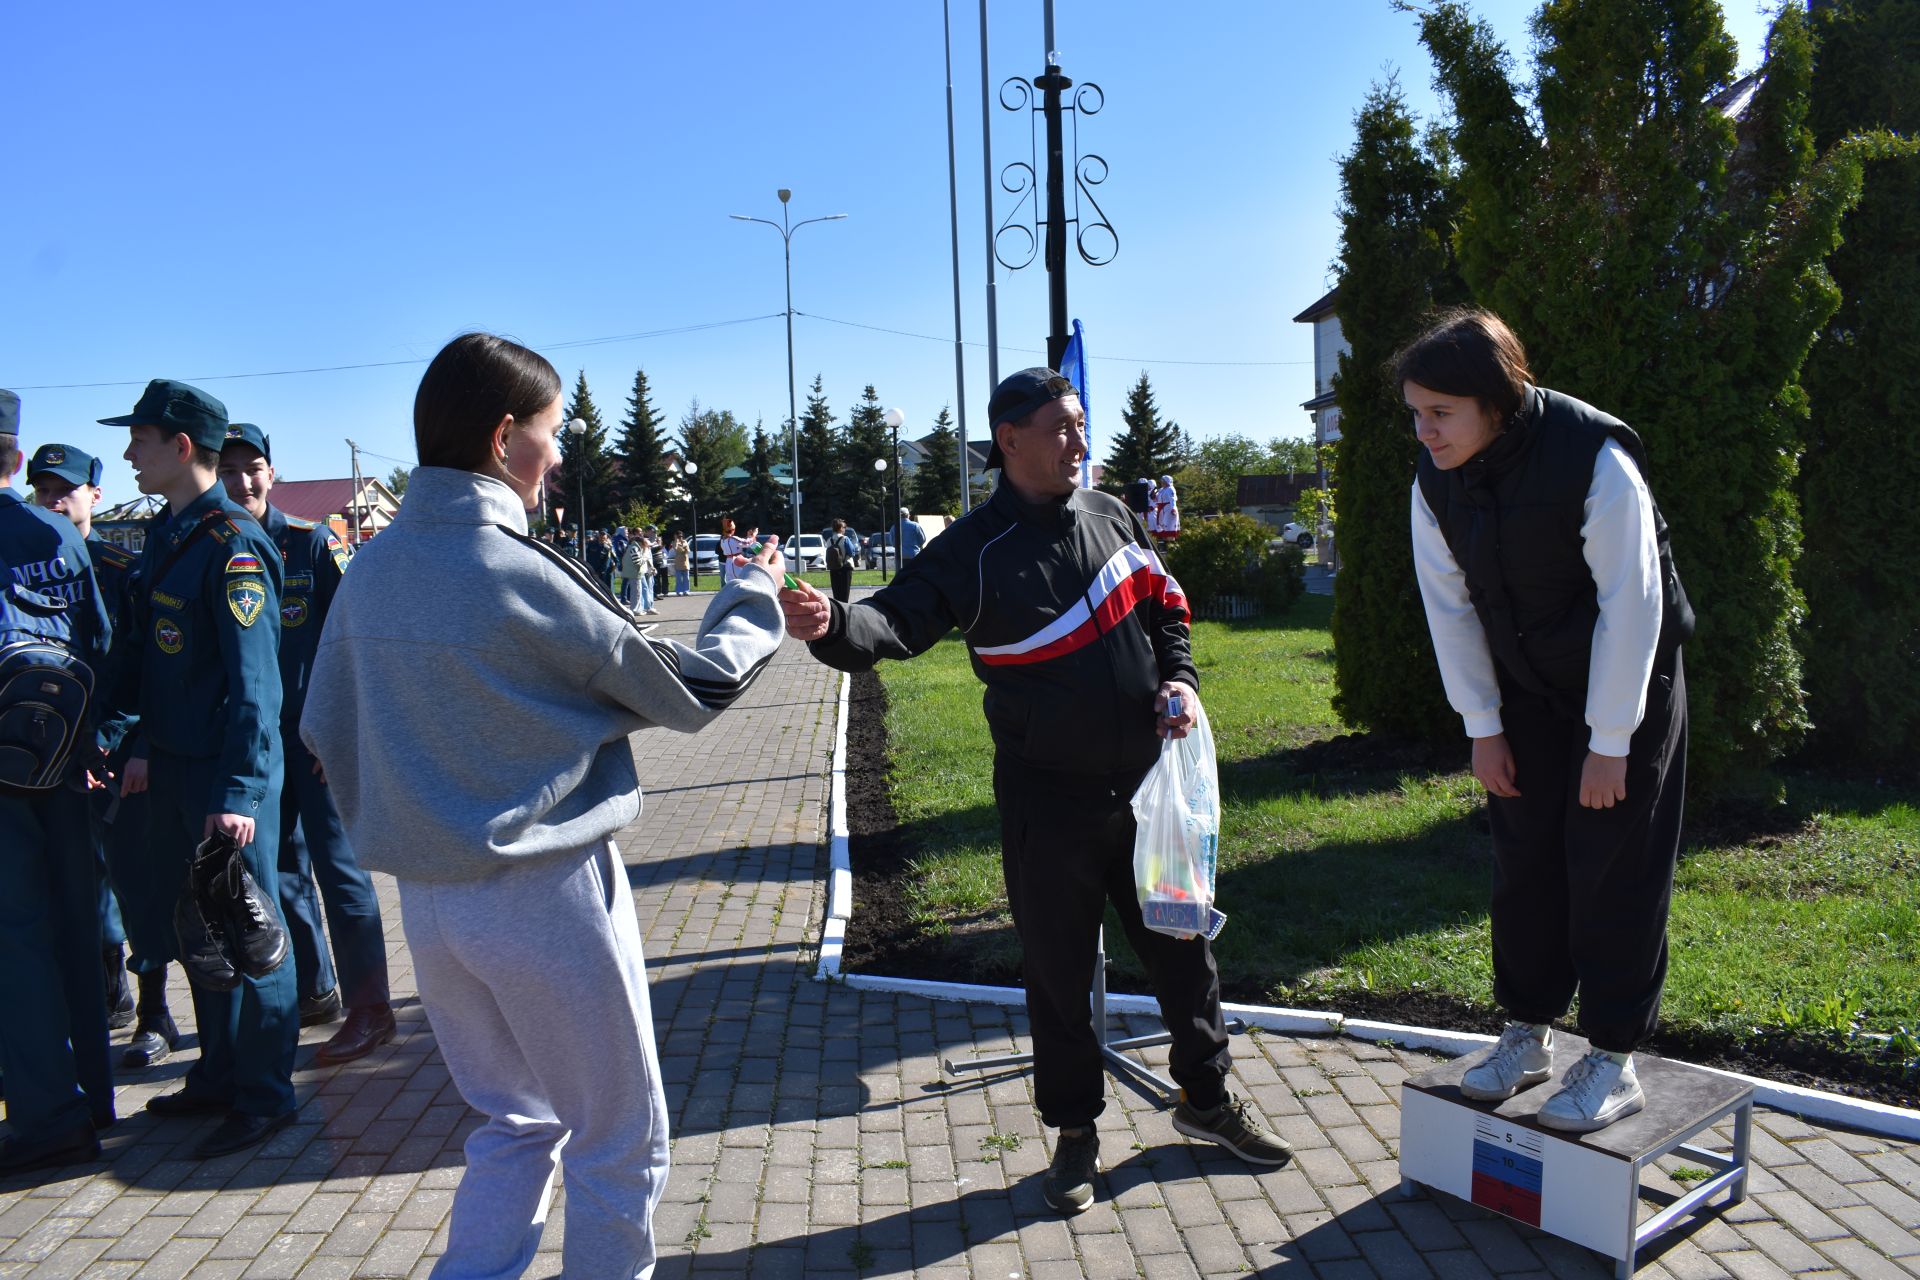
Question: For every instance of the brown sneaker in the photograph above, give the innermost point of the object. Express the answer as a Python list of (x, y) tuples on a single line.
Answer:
[(1233, 1125), (367, 1028)]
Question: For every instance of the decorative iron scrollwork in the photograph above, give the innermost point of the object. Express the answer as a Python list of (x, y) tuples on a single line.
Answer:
[(1017, 239)]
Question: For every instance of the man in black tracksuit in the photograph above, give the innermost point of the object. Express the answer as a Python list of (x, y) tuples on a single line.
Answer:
[(1080, 637)]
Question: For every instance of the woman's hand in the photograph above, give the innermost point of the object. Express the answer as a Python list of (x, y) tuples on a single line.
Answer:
[(1493, 766), (133, 778), (1603, 781)]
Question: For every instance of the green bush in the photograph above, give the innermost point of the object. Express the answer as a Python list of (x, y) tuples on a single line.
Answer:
[(1228, 556)]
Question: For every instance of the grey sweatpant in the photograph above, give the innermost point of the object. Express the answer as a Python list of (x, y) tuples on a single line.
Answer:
[(535, 985)]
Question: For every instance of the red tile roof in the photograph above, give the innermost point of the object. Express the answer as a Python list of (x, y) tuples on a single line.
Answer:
[(313, 499)]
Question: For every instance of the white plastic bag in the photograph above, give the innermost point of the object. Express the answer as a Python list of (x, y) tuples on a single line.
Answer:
[(1176, 840)]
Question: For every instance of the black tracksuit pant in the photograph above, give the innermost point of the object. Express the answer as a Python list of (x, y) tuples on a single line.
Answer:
[(841, 580), (1066, 847), (1580, 896)]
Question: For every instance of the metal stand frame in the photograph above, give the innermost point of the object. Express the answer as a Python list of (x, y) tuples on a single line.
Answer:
[(1113, 1051), (1730, 1175)]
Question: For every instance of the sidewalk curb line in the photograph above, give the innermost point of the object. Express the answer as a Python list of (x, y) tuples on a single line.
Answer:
[(833, 932), (1811, 1104)]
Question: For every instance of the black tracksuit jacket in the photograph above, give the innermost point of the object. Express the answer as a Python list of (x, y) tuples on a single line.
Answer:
[(1070, 619)]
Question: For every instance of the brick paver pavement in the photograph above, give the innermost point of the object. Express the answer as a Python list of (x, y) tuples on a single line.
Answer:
[(815, 1136)]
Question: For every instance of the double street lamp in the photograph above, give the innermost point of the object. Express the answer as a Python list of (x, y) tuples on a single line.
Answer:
[(786, 231), (894, 418)]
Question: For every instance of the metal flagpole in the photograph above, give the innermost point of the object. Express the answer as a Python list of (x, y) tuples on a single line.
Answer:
[(953, 223)]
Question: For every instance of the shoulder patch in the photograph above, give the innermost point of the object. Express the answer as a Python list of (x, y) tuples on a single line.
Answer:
[(244, 562), (338, 552), (246, 597)]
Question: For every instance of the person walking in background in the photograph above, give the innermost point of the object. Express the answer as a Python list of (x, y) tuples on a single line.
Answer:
[(682, 564), (731, 545), (660, 567), (1558, 619), (313, 847), (633, 574), (909, 536), (600, 558), (620, 540), (513, 896), (841, 551)]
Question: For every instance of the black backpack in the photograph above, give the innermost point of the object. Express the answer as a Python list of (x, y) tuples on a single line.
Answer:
[(837, 552), (45, 690)]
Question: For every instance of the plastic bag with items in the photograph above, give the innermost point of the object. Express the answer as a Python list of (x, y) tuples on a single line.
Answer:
[(1176, 842)]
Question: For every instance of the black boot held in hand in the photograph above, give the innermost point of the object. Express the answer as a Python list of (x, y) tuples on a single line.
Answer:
[(257, 941), (204, 951)]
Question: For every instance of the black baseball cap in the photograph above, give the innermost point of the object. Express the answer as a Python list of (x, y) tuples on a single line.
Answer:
[(1017, 396), (9, 414)]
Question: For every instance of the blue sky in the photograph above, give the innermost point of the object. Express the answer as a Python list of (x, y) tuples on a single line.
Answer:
[(208, 189)]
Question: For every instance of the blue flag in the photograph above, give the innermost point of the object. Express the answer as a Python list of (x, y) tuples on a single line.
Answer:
[(1073, 367)]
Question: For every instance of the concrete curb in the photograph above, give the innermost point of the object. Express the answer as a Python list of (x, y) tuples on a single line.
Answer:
[(1809, 1104)]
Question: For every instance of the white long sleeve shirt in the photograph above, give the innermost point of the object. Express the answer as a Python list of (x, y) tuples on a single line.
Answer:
[(1616, 527)]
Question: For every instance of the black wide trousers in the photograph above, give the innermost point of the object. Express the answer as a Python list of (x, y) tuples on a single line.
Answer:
[(1066, 848), (1580, 896)]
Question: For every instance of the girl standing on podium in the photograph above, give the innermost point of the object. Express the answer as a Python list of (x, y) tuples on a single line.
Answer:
[(1558, 620)]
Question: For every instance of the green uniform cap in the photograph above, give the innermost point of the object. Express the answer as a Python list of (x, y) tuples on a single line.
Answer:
[(70, 464), (247, 433), (179, 408)]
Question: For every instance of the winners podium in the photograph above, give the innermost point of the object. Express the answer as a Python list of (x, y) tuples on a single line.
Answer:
[(1584, 1188)]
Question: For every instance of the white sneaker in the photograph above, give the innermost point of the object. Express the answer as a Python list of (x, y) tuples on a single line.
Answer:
[(1519, 1061), (1596, 1092)]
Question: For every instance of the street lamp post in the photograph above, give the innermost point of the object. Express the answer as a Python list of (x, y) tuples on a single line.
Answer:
[(578, 429), (690, 468), (894, 417), (880, 466), (786, 231)]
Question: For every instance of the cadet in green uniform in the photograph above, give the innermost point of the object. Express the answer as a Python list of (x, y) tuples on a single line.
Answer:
[(53, 1017), (203, 673), (66, 481), (313, 844)]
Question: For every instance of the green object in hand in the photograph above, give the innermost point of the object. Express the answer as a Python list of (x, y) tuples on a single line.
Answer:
[(793, 583)]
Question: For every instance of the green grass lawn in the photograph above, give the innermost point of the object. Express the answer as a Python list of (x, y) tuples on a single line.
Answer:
[(1377, 882)]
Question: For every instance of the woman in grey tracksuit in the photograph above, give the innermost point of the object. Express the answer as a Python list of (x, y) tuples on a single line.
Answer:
[(471, 703)]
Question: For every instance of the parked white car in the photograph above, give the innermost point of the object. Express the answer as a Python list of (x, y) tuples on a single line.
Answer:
[(812, 553), (1297, 534)]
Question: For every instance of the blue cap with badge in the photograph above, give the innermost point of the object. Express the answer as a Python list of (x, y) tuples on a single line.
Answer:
[(70, 464), (178, 408), (248, 434)]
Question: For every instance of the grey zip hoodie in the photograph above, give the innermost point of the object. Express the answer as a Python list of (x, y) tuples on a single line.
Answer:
[(473, 692)]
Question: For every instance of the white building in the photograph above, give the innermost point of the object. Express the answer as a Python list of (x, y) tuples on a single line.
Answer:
[(1329, 344)]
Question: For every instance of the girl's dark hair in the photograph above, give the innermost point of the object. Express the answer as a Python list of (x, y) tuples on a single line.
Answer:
[(1467, 351), (476, 380)]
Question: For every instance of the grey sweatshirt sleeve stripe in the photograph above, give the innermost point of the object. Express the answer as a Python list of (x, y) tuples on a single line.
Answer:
[(716, 692)]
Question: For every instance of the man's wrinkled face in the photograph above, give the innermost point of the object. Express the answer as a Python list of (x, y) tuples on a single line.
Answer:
[(248, 477), (74, 501), (1042, 453)]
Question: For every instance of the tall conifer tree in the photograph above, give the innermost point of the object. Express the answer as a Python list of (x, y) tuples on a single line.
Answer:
[(935, 488), (584, 456), (867, 438), (762, 500), (1862, 462), (822, 485), (1144, 445), (1396, 212), (640, 450)]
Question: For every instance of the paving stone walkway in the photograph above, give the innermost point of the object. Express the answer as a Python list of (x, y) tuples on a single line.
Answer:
[(815, 1135)]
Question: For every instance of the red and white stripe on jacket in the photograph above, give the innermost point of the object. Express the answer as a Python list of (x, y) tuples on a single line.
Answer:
[(1132, 574)]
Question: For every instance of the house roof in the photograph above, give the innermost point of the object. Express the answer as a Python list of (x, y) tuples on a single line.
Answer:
[(1320, 401), (1273, 491), (320, 499), (1320, 308)]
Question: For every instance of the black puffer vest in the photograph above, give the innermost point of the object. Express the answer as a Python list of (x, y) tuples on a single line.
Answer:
[(1511, 516)]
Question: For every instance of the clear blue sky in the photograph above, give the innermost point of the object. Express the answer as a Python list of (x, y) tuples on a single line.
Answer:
[(225, 188)]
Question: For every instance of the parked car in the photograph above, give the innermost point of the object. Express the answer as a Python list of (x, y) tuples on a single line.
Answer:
[(1296, 534), (872, 548), (706, 553), (811, 555)]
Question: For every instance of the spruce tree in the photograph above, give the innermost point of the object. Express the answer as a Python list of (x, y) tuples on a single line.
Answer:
[(867, 437), (1144, 446), (823, 484), (584, 456), (935, 488), (1397, 207), (714, 440), (762, 501), (1862, 464), (1664, 263), (639, 450)]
